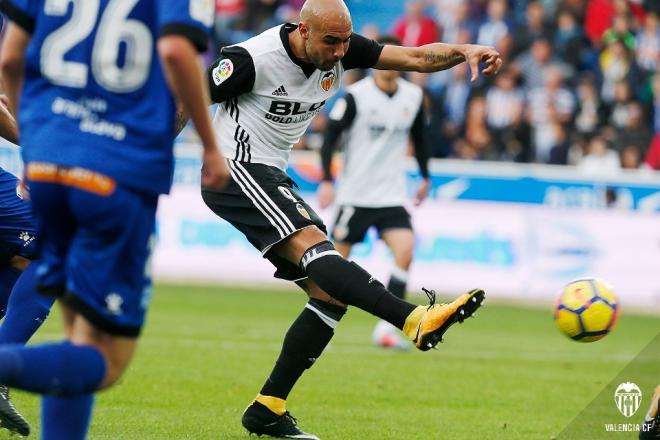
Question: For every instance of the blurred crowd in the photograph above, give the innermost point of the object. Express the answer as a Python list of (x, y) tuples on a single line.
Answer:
[(580, 84)]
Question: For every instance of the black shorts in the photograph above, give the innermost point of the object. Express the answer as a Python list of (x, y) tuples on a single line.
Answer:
[(261, 203), (352, 222)]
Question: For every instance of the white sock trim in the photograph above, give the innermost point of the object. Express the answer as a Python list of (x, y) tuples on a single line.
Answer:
[(399, 274), (325, 318)]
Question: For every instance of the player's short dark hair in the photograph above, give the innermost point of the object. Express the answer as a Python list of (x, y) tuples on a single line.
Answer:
[(389, 39)]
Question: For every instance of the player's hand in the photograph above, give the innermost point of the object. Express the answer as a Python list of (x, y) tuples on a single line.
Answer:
[(4, 100), (475, 55), (22, 190), (215, 172), (422, 192), (326, 194)]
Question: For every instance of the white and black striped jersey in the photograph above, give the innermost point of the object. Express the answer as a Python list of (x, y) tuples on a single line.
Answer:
[(268, 96), (377, 127)]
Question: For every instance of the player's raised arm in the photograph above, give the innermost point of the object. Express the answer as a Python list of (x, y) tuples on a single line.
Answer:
[(341, 117), (185, 77), (417, 134), (12, 60), (8, 126), (439, 56)]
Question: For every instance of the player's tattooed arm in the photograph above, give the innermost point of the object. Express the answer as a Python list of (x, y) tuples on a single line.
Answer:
[(439, 56), (180, 120)]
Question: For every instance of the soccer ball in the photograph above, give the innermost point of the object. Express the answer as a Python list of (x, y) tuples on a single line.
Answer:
[(586, 310)]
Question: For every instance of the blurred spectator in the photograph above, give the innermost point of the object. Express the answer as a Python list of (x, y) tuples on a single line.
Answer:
[(655, 107), (616, 65), (415, 28), (635, 132), (477, 141), (599, 158), (620, 31), (533, 63), (648, 45), (534, 28), (619, 111), (504, 112), (598, 18), (571, 45), (495, 27), (590, 110), (452, 104), (259, 15), (289, 11), (652, 159), (227, 14), (549, 104), (631, 157), (454, 17)]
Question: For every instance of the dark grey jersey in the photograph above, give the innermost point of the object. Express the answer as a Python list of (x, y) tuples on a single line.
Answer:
[(268, 97)]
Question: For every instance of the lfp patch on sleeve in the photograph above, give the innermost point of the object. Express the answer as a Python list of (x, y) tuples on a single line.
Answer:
[(223, 71)]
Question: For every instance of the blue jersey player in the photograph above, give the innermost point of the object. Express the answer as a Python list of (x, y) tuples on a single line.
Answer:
[(21, 307), (97, 125)]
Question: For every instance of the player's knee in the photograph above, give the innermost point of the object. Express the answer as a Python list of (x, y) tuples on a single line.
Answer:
[(404, 260), (324, 249), (114, 370), (117, 357)]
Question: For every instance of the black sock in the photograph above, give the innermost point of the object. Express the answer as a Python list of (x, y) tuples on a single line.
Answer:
[(303, 344), (397, 286), (352, 285)]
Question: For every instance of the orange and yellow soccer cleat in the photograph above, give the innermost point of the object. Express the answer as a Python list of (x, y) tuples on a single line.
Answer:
[(427, 324)]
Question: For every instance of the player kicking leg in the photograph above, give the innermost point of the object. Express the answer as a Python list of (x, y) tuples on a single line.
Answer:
[(261, 203), (269, 88)]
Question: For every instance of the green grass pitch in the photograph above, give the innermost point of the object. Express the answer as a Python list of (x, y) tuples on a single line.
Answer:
[(508, 374)]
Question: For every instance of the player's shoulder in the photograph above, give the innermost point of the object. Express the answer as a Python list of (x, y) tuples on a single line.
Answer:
[(264, 43), (409, 87), (410, 91), (361, 86)]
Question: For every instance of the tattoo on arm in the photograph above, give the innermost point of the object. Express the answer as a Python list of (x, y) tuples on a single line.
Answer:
[(436, 58), (181, 119)]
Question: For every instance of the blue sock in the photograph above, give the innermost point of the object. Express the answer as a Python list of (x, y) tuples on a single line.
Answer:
[(26, 311), (8, 277), (66, 418), (61, 369)]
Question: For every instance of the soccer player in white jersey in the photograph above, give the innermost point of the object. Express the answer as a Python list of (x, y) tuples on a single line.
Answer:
[(378, 115), (269, 88)]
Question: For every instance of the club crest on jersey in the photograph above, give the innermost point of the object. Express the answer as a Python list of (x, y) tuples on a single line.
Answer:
[(223, 71), (302, 211), (327, 80)]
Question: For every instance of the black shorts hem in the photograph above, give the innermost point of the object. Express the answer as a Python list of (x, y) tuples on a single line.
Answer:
[(270, 246), (97, 320)]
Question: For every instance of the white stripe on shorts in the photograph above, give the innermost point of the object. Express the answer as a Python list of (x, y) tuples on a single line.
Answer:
[(249, 192), (274, 209)]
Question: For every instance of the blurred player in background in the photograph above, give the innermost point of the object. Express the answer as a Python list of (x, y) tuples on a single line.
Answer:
[(270, 87), (650, 429), (378, 115), (97, 125), (22, 309)]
